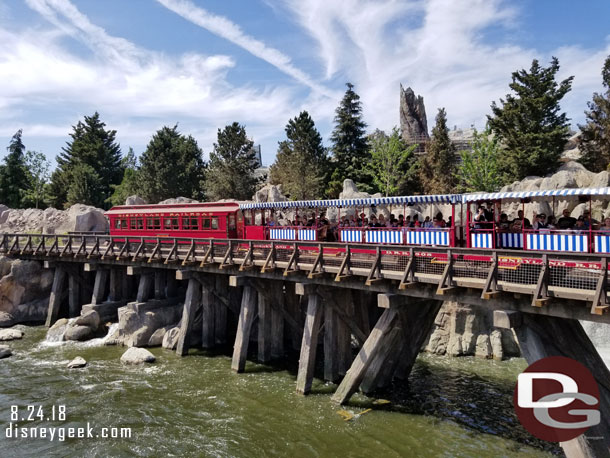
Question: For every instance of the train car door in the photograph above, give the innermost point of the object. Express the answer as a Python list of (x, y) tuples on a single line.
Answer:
[(231, 226)]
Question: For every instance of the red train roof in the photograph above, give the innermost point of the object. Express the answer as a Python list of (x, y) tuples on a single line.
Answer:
[(208, 207)]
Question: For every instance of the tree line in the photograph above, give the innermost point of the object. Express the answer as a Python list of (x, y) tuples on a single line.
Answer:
[(525, 134)]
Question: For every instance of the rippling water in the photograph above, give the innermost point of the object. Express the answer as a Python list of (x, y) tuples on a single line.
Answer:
[(195, 406)]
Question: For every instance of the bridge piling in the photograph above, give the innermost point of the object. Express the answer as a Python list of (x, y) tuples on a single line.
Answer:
[(208, 317), (100, 286), (145, 286), (191, 304), (74, 294), (58, 291), (309, 343), (244, 326)]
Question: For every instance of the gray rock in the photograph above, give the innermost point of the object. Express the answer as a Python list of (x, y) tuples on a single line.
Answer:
[(77, 362), (178, 200), (138, 322), (137, 356), (89, 318), (10, 334), (78, 333), (497, 350), (5, 351), (57, 331), (413, 121), (6, 320), (156, 339), (170, 339), (483, 346), (135, 200)]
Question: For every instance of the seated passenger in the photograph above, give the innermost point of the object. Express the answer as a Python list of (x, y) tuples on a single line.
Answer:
[(427, 222), (516, 226), (503, 224), (551, 222), (566, 221), (525, 223), (590, 221), (374, 223), (606, 226), (271, 221), (439, 218), (401, 221), (480, 218), (540, 222), (415, 222), (580, 226)]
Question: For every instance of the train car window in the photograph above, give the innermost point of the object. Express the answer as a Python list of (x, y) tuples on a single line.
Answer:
[(190, 223), (132, 223), (171, 223), (194, 223), (117, 224), (248, 219), (206, 223), (215, 223), (175, 223), (157, 223), (123, 223), (232, 225), (149, 224), (140, 223)]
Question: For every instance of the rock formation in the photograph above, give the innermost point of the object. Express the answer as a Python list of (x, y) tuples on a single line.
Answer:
[(135, 200), (137, 356), (413, 121), (78, 217)]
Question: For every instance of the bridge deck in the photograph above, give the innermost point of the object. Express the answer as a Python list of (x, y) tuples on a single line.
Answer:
[(453, 271)]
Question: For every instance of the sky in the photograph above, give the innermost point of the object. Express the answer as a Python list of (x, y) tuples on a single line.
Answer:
[(203, 64)]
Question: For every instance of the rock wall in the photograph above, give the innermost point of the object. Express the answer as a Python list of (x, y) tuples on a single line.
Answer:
[(78, 217), (24, 291)]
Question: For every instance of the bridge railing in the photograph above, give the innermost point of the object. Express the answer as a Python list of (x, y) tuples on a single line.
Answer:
[(543, 275)]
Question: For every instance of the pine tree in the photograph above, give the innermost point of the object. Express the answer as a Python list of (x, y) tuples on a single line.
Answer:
[(301, 161), (479, 168), (350, 149), (38, 167), (437, 167), (595, 134), (14, 178), (171, 166), (94, 146), (85, 185), (529, 124), (129, 185), (232, 163), (389, 159)]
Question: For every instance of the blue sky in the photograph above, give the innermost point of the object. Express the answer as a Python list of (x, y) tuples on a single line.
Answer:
[(203, 64)]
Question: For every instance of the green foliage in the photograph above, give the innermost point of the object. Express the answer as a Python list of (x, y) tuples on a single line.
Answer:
[(479, 170), (350, 149), (129, 185), (171, 166), (595, 134), (301, 161), (38, 167), (389, 158), (232, 163), (14, 178), (85, 186), (529, 124), (94, 146), (437, 167)]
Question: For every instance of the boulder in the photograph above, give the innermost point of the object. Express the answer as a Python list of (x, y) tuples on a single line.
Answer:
[(78, 333), (89, 318), (52, 221), (3, 213), (269, 193), (413, 121), (178, 200), (135, 200), (156, 339), (170, 339), (6, 320), (77, 362), (135, 355), (138, 322), (10, 334), (57, 331), (5, 351), (483, 346)]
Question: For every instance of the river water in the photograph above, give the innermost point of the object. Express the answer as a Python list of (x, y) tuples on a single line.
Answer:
[(195, 406)]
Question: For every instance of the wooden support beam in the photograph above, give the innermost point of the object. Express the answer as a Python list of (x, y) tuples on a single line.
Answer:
[(374, 373), (192, 302), (541, 292), (270, 260), (600, 301), (74, 303), (244, 325), (542, 336), (182, 274), (317, 268), (49, 264), (491, 283), (160, 280), (293, 262), (115, 290), (309, 344), (227, 259), (277, 322), (446, 285), (191, 252), (145, 287), (248, 261), (57, 293), (304, 289), (100, 287), (208, 318), (134, 270), (365, 357), (344, 270), (237, 280), (208, 257), (220, 315), (331, 363), (375, 272), (345, 313), (264, 329), (90, 266), (330, 300), (408, 276), (390, 301)]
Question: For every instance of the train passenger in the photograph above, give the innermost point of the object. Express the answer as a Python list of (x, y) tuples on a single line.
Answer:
[(450, 221), (606, 226), (439, 217), (525, 223), (590, 222), (566, 221), (516, 226), (504, 224), (271, 221), (481, 218), (427, 222), (551, 222), (415, 222), (540, 222), (580, 226), (401, 221)]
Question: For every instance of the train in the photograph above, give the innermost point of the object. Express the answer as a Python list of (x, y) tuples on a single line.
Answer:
[(481, 222)]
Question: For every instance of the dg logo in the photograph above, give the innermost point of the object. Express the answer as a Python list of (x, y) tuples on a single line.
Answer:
[(556, 399)]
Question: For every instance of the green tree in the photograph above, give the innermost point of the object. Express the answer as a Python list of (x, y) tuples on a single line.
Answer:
[(85, 186), (129, 185), (230, 174), (389, 158), (595, 134), (479, 170), (529, 124), (301, 161), (349, 146), (437, 167), (14, 179), (96, 147), (171, 166), (38, 168)]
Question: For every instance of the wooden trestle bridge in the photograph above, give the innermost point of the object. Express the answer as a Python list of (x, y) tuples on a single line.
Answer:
[(384, 297)]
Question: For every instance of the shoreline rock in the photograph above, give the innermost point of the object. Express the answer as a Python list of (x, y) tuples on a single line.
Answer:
[(135, 355), (10, 334), (5, 351), (77, 362)]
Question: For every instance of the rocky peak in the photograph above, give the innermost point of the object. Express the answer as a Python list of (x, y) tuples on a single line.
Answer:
[(413, 121)]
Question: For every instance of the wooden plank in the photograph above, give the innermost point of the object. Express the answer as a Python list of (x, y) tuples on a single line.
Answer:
[(541, 291), (160, 278), (345, 313), (74, 303), (365, 357), (208, 317), (344, 270), (491, 283), (100, 287), (115, 292), (309, 344), (264, 329), (375, 272), (57, 293), (388, 347), (220, 328), (144, 287), (237, 280), (331, 366), (192, 302), (600, 304), (244, 325)]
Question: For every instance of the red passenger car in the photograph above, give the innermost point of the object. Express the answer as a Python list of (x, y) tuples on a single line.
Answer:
[(216, 220)]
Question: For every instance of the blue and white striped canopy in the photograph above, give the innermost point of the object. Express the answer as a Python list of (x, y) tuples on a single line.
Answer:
[(529, 194), (400, 200)]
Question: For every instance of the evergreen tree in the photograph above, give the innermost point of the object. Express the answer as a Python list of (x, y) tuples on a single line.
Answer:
[(38, 167), (94, 146), (129, 185), (595, 134), (529, 124), (301, 161), (14, 178), (389, 159), (232, 163), (437, 167), (350, 149), (85, 185), (479, 168), (171, 166)]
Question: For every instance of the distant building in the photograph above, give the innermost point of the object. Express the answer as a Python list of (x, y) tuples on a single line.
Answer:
[(258, 157)]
